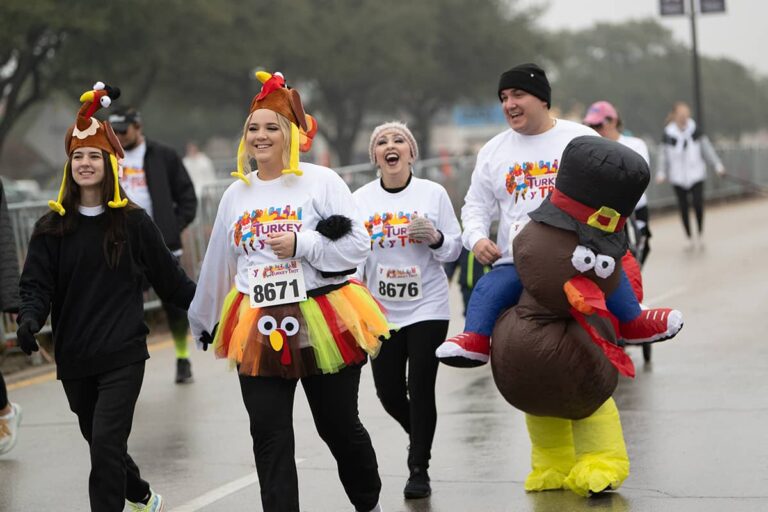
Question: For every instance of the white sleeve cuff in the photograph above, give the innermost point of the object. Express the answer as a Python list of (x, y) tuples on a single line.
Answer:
[(305, 242)]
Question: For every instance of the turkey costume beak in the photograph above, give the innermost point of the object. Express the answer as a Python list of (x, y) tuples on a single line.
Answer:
[(584, 295)]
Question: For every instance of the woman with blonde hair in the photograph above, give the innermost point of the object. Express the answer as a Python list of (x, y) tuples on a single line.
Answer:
[(275, 299)]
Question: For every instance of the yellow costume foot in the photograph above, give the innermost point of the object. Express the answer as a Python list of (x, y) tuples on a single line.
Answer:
[(544, 480), (594, 474)]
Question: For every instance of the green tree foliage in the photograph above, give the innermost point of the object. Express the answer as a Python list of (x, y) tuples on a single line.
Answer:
[(643, 71), (192, 61)]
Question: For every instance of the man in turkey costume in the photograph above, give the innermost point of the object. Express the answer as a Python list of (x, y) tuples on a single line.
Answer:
[(554, 355)]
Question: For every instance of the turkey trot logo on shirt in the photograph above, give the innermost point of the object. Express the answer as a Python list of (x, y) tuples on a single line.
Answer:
[(253, 227), (529, 180), (389, 230)]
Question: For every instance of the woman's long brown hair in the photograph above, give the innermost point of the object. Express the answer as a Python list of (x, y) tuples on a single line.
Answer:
[(114, 223)]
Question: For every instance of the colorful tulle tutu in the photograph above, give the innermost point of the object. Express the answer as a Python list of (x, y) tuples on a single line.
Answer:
[(320, 335)]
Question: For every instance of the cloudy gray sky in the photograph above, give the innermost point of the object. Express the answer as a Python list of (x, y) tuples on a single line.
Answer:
[(737, 34)]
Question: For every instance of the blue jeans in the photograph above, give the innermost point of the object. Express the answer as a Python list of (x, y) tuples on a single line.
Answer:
[(501, 288)]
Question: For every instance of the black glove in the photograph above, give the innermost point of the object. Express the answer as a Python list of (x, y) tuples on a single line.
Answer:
[(334, 227), (25, 336), (206, 338)]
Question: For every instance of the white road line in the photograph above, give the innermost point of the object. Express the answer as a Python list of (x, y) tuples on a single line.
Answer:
[(220, 493), (679, 290)]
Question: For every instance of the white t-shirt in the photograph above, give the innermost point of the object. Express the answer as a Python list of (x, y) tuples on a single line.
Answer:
[(386, 216), (512, 176), (134, 179), (246, 216), (640, 147)]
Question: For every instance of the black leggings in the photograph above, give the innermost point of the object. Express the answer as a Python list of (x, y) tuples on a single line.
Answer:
[(697, 195), (411, 401), (104, 405), (333, 401)]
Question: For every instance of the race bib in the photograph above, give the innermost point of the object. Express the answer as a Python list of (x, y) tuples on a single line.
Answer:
[(272, 284), (398, 283)]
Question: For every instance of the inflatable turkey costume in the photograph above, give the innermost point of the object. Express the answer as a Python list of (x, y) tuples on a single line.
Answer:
[(554, 355)]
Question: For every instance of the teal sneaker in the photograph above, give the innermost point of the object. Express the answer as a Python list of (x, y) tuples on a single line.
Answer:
[(156, 503)]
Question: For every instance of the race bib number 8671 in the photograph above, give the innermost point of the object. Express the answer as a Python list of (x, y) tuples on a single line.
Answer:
[(272, 284)]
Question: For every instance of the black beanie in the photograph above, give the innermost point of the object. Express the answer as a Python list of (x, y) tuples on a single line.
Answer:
[(529, 78)]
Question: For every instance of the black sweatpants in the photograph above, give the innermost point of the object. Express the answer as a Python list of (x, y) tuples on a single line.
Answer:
[(104, 405), (333, 401), (697, 196), (411, 400)]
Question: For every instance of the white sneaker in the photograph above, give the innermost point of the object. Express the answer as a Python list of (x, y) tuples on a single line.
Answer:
[(156, 503), (9, 428)]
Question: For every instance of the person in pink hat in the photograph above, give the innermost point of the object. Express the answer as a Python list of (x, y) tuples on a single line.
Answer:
[(603, 117)]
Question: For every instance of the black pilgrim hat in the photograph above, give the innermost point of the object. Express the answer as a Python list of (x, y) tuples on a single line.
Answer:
[(598, 184)]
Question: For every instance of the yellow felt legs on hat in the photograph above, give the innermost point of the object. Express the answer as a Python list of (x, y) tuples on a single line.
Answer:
[(602, 462), (116, 201), (293, 161), (587, 456), (239, 173), (552, 452), (56, 205)]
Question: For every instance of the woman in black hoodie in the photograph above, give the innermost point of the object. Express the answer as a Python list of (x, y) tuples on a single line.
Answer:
[(86, 264)]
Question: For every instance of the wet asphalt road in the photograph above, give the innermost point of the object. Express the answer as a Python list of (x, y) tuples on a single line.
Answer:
[(695, 419)]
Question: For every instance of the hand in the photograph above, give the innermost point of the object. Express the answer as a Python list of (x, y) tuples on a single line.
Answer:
[(25, 336), (421, 229), (720, 171), (486, 251), (282, 244), (206, 339), (660, 179)]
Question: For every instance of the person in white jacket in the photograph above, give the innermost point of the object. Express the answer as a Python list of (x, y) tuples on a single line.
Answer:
[(275, 299), (413, 231), (514, 173), (685, 152)]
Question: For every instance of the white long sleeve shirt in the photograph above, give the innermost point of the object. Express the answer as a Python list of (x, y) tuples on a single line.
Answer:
[(249, 213), (386, 216), (513, 175)]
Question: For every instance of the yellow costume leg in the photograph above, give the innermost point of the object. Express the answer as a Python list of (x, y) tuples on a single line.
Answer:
[(601, 456), (552, 452)]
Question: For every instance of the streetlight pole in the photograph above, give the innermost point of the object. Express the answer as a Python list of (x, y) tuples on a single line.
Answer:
[(699, 113)]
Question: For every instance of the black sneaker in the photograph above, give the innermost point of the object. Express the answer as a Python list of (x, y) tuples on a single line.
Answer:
[(417, 485), (183, 371)]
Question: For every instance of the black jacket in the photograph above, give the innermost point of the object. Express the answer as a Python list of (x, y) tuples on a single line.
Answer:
[(174, 203), (9, 265), (97, 312)]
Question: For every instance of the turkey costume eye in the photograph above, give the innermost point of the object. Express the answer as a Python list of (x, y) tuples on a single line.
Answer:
[(266, 324), (583, 259), (604, 266), (290, 325), (105, 101)]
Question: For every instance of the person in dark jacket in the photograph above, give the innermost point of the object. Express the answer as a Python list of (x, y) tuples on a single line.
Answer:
[(155, 178), (10, 413), (86, 265)]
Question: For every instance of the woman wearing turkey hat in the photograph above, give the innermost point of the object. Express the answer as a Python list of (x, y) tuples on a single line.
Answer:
[(86, 263), (275, 299)]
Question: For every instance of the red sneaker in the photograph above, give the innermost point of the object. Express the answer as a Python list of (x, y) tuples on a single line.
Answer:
[(465, 350), (652, 325)]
